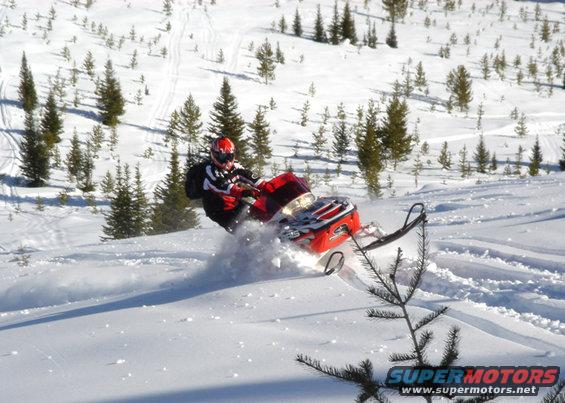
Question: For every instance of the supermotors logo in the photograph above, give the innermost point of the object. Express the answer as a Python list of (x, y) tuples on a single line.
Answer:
[(471, 381)]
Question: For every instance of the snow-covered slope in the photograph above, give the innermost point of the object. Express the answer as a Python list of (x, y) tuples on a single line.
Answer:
[(195, 316)]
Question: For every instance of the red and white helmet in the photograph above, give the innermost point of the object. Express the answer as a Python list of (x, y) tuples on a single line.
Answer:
[(222, 152)]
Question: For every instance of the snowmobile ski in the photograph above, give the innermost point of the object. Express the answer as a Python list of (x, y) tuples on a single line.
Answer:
[(407, 227), (334, 263)]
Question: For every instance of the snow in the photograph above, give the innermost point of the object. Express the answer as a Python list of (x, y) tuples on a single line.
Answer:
[(204, 316)]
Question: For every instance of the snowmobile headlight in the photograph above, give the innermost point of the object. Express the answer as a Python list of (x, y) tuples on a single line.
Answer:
[(300, 203)]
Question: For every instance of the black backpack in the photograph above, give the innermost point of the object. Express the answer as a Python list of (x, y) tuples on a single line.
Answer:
[(194, 184)]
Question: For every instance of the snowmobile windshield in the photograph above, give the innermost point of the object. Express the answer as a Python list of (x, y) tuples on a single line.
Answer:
[(283, 191)]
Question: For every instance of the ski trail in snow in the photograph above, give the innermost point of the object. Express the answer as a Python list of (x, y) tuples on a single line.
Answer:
[(8, 144), (351, 276), (542, 128), (502, 297), (168, 86), (207, 35)]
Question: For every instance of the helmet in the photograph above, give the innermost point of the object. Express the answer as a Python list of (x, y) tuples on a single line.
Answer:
[(222, 152)]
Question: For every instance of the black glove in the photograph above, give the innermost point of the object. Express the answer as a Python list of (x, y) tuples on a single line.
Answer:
[(250, 193)]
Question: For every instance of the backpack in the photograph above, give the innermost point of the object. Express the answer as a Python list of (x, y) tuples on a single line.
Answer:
[(194, 183)]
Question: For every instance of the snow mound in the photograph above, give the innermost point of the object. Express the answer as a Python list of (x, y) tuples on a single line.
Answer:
[(70, 285), (254, 253)]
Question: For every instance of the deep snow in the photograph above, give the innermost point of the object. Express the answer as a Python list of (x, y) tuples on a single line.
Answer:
[(196, 316)]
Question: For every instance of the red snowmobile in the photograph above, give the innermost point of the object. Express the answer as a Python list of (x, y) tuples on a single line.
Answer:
[(318, 224)]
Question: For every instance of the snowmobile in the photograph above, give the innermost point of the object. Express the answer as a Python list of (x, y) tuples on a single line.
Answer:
[(319, 224)]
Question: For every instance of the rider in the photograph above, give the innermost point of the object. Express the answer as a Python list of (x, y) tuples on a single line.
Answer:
[(222, 184)]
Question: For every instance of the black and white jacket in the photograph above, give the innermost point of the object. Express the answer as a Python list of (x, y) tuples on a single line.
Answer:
[(221, 189)]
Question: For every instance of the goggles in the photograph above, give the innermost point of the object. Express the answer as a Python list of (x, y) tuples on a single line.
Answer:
[(224, 157)]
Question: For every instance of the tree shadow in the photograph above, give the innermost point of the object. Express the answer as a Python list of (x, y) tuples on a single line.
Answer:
[(304, 388), (145, 128), (239, 76), (85, 114), (193, 286), (48, 201)]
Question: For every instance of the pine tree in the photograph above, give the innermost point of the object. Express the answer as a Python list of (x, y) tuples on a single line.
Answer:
[(51, 125), (267, 63), (86, 170), (74, 158), (34, 154), (481, 156), (545, 30), (171, 210), (304, 114), (485, 67), (260, 142), (407, 86), (173, 131), (518, 162), (319, 140), (444, 157), (167, 7), (459, 85), (464, 162), (420, 80), (26, 90), (391, 40), (397, 142), (319, 31), (536, 158), (334, 28), (140, 206), (507, 169), (493, 163), (279, 55), (110, 100), (220, 58), (480, 113), (358, 126), (372, 37), (395, 8), (341, 135), (107, 185), (347, 27), (417, 169), (120, 220), (369, 151), (396, 300), (189, 123), (521, 129), (226, 121), (133, 61), (297, 24), (282, 25), (88, 64)]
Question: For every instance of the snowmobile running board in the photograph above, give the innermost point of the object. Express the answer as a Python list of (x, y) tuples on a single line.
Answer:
[(407, 227)]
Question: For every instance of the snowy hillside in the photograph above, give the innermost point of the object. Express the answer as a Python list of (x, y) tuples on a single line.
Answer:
[(194, 316)]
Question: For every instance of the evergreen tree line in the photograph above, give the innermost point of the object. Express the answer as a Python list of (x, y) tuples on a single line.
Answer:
[(487, 162), (341, 27), (42, 134), (379, 141), (131, 214), (171, 210), (251, 139)]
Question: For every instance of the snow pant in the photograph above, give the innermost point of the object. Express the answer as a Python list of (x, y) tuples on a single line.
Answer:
[(229, 219)]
